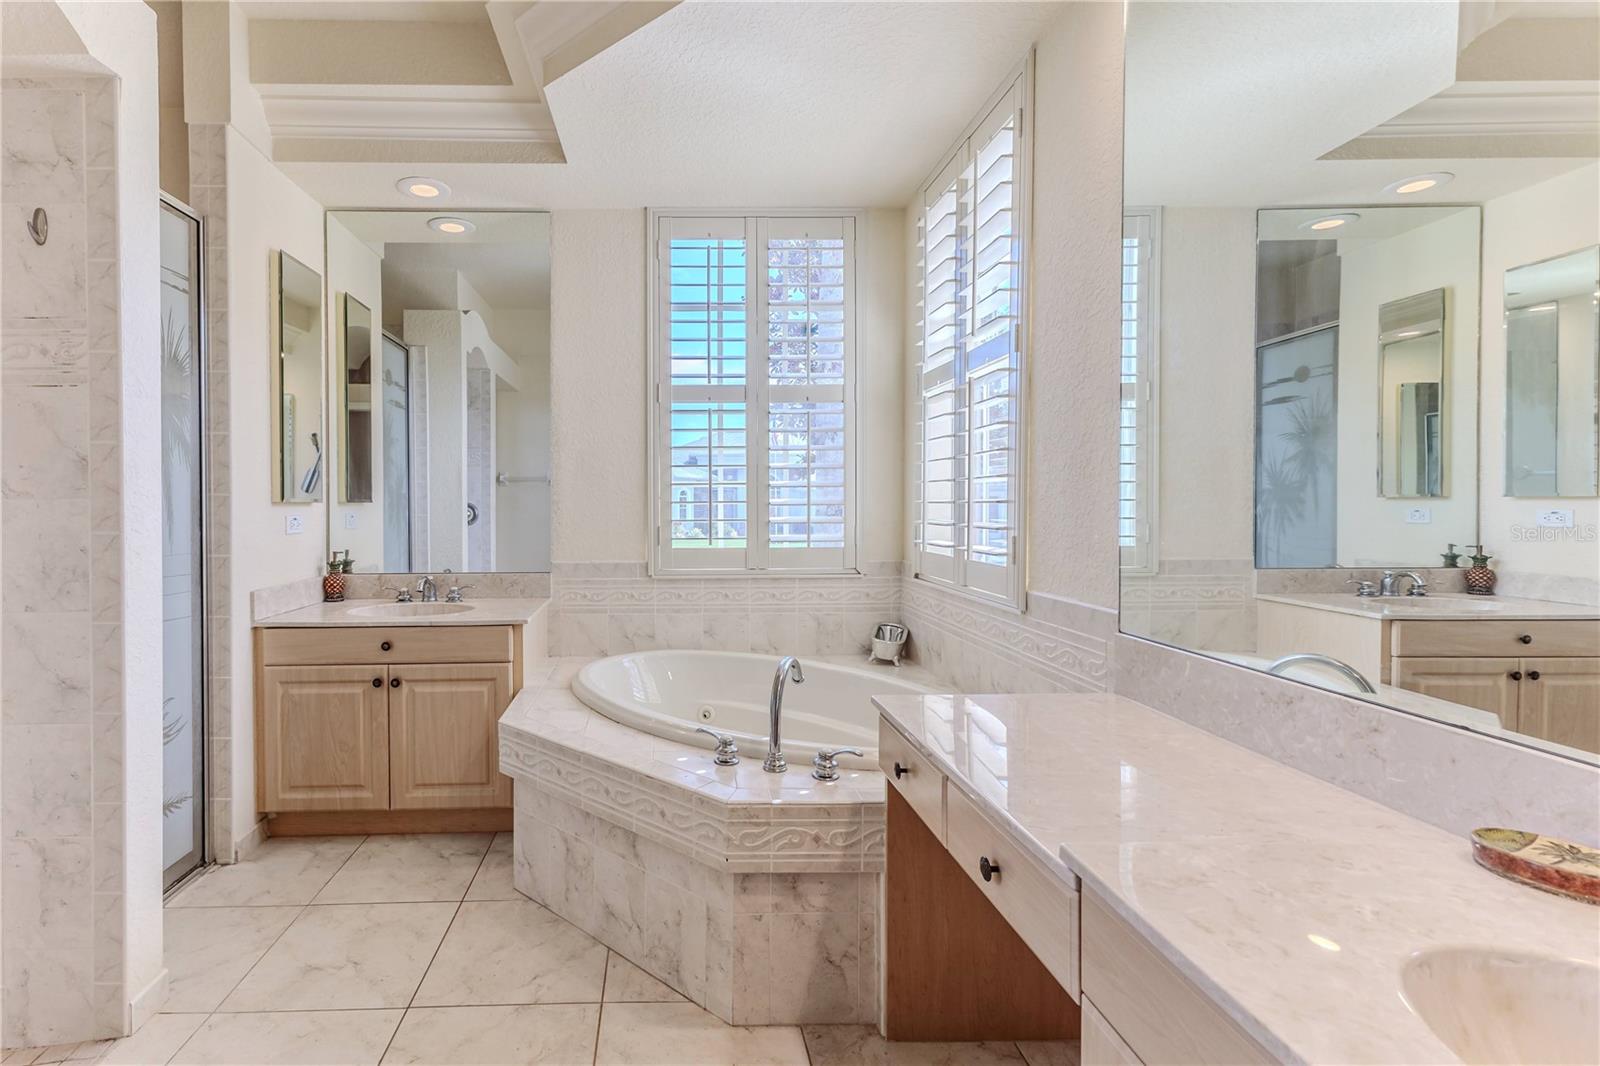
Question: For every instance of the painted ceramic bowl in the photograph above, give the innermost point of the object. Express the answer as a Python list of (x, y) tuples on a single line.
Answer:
[(1555, 865)]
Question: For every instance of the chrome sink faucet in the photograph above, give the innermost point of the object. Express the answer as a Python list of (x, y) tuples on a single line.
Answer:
[(1388, 585), (428, 589), (788, 667)]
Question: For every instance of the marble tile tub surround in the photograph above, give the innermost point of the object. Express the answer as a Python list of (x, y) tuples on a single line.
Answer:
[(750, 893), (606, 608), (62, 696), (1448, 777), (1229, 864)]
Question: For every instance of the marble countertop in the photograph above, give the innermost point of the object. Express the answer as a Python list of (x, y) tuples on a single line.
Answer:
[(1291, 902), (1444, 606), (485, 612)]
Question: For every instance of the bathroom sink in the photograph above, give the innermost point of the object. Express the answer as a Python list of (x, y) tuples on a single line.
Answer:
[(1428, 604), (410, 610), (1496, 1006)]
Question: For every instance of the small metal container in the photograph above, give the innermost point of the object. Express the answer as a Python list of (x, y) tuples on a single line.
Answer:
[(888, 643)]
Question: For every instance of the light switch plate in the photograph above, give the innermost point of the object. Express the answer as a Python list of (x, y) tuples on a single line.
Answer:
[(350, 520), (1419, 516), (1557, 518), (293, 524)]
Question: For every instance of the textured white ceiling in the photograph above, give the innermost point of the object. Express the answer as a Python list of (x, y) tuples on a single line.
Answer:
[(506, 258), (747, 104)]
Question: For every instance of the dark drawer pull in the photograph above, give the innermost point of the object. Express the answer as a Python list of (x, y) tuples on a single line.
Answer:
[(377, 682), (1516, 675), (1526, 638), (901, 771), (394, 682), (386, 646), (1533, 675), (989, 870)]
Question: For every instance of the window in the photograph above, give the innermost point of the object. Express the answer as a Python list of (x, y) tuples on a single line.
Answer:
[(1136, 476), (754, 351), (973, 230)]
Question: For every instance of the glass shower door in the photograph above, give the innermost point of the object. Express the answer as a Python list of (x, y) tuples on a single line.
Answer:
[(183, 548)]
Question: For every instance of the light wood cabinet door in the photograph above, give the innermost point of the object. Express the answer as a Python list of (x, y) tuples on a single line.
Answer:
[(1487, 684), (1559, 700), (444, 735), (324, 738), (1101, 1045)]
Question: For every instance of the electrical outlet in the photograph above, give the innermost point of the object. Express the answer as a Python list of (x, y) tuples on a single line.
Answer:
[(1419, 516), (1558, 519), (349, 520), (293, 524)]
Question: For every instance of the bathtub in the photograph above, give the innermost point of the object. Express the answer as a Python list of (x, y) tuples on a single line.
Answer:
[(669, 693)]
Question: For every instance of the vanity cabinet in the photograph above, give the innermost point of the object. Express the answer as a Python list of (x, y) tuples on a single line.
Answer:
[(398, 720)]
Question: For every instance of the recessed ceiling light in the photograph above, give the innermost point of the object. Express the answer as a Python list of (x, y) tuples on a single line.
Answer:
[(423, 188), (451, 225), (1419, 183), (1327, 222)]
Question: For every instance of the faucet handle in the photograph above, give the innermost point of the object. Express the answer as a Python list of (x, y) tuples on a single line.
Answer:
[(825, 763), (454, 595), (402, 593), (727, 752), (1363, 588)]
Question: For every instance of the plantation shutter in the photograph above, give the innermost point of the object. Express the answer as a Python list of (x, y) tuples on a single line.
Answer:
[(1136, 453)]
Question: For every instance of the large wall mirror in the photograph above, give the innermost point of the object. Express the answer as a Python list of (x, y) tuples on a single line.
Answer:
[(1358, 416), (442, 383), (296, 389)]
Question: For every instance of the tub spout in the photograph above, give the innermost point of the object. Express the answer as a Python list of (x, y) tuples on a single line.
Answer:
[(788, 666)]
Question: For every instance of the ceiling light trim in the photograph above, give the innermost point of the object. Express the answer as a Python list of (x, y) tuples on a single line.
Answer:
[(421, 188), (453, 225)]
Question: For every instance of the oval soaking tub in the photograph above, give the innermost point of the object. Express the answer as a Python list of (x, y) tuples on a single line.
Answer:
[(669, 693)]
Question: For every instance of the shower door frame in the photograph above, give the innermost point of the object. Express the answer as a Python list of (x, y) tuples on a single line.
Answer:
[(203, 853)]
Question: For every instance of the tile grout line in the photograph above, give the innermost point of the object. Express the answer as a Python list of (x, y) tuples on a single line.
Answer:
[(600, 1011)]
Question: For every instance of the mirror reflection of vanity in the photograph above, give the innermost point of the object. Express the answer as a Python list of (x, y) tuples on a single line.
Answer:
[(441, 391), (296, 389), (1355, 349)]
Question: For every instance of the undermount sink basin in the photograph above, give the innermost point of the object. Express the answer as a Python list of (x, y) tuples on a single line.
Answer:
[(410, 610), (1495, 1006)]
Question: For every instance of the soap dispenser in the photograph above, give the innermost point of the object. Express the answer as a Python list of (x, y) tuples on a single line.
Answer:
[(1480, 579), (1452, 558)]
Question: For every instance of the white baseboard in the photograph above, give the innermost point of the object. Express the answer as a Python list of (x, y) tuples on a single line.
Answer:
[(147, 1002)]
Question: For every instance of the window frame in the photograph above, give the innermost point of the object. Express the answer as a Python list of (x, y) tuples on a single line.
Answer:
[(757, 555), (950, 572), (1144, 559)]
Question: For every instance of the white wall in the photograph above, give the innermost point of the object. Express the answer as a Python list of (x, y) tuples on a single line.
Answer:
[(522, 429), (1550, 219), (440, 333), (354, 268), (1372, 529), (266, 212)]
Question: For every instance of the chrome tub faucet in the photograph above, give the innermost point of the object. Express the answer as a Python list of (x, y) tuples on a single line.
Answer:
[(788, 667)]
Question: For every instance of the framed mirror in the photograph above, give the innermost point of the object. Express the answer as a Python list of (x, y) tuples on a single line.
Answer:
[(1323, 295), (1552, 324), (444, 379), (356, 401), (296, 381)]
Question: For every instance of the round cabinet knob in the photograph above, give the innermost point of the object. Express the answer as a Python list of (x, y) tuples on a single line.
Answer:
[(989, 870), (900, 771), (1533, 675), (1526, 638), (377, 682), (394, 682), (386, 646), (1516, 675)]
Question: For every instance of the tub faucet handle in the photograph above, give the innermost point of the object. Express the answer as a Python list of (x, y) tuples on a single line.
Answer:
[(727, 752), (825, 763)]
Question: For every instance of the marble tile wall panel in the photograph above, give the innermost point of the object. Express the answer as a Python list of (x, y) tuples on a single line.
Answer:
[(1563, 588), (61, 703), (484, 585), (613, 608), (1206, 603)]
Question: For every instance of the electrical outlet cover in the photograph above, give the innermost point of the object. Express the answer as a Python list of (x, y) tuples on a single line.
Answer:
[(1558, 519), (349, 520), (1419, 516), (294, 524)]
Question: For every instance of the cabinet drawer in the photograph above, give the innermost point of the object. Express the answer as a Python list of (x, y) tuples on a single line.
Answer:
[(1154, 1008), (919, 783), (1495, 637), (1037, 904), (386, 644), (1101, 1045)]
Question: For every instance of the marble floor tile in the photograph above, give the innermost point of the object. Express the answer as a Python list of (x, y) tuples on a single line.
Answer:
[(493, 880), (1049, 1052), (420, 868), (156, 1041), (499, 952), (301, 1038), (208, 950), (626, 983), (282, 872), (860, 1045), (559, 1034), (362, 955), (681, 1034)]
